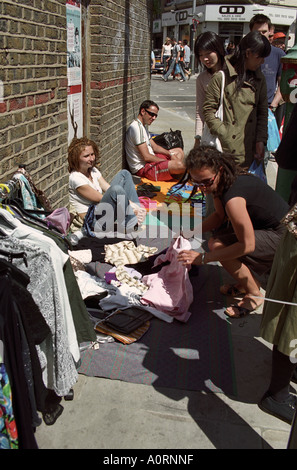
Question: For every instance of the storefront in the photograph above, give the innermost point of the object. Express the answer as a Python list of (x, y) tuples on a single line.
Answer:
[(229, 21)]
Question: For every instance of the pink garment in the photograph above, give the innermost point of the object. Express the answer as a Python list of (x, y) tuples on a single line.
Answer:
[(170, 290)]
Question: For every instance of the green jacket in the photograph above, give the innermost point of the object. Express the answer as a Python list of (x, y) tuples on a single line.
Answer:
[(245, 114)]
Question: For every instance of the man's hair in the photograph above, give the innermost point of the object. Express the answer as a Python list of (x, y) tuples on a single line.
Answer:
[(260, 19), (147, 104), (75, 149)]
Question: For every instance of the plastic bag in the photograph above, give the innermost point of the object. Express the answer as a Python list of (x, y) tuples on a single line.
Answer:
[(170, 140), (273, 133), (177, 69), (257, 169), (59, 219), (207, 138)]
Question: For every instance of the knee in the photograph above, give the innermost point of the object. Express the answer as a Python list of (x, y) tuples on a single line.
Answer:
[(126, 175), (116, 190)]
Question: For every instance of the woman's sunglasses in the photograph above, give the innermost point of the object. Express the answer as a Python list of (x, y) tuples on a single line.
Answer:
[(205, 183)]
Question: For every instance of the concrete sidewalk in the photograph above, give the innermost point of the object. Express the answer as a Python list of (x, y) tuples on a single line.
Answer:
[(109, 414)]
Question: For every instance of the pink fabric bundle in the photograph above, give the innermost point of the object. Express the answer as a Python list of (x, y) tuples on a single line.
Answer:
[(147, 202), (59, 219), (170, 290)]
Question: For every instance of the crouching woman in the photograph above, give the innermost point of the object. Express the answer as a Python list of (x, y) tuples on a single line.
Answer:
[(246, 225)]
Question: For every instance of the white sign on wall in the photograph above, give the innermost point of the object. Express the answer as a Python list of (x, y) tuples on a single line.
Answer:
[(74, 69), (232, 13)]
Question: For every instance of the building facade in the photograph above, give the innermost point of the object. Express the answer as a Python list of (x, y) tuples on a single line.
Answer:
[(230, 19), (69, 67)]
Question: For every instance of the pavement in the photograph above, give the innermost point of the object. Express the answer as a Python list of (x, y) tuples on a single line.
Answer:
[(116, 416)]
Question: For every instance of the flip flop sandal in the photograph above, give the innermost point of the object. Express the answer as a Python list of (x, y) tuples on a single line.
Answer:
[(145, 193), (51, 416), (148, 187), (231, 290), (242, 311)]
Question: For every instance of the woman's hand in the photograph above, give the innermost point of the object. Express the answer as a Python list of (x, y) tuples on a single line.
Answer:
[(187, 257)]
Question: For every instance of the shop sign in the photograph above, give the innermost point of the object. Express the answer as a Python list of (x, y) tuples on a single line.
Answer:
[(157, 26), (176, 17), (243, 13)]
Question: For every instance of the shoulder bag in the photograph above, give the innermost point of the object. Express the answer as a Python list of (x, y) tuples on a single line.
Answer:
[(207, 138)]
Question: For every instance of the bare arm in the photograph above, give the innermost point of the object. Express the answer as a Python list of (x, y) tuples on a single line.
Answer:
[(146, 155), (92, 194), (243, 228), (89, 193)]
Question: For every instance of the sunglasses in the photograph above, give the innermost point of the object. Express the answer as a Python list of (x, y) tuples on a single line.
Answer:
[(206, 183), (151, 114)]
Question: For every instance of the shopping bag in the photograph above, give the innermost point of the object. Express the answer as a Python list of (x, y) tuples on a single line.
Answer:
[(273, 133), (257, 169), (170, 140), (207, 138)]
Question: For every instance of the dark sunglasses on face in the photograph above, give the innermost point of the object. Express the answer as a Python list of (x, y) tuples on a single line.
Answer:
[(151, 114), (205, 183)]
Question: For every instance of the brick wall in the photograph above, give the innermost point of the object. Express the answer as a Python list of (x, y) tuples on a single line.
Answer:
[(33, 111), (33, 78), (120, 35)]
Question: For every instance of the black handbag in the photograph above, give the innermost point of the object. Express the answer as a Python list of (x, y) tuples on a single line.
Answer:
[(124, 321), (170, 140)]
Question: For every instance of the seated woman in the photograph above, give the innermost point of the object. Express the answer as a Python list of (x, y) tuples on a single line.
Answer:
[(87, 186), (246, 224)]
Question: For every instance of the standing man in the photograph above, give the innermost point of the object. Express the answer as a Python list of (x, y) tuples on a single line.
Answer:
[(272, 67), (187, 58), (145, 158)]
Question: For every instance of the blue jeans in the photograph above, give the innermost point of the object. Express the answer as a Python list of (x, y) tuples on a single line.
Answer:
[(171, 68), (121, 191)]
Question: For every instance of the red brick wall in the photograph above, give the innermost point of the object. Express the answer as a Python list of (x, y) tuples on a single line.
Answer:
[(33, 77)]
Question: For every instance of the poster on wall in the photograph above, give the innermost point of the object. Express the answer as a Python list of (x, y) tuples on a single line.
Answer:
[(75, 112), (73, 16), (74, 69)]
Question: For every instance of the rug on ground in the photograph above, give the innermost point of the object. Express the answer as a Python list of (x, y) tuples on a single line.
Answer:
[(196, 355)]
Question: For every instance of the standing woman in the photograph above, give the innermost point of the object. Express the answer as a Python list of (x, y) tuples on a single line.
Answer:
[(87, 186), (166, 54), (246, 225), (209, 52), (243, 131)]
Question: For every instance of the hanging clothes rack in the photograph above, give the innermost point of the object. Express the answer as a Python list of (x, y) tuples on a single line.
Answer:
[(9, 189)]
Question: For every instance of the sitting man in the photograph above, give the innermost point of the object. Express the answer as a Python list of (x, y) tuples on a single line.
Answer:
[(145, 158)]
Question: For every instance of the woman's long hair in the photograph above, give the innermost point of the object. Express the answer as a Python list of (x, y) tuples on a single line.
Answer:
[(210, 42), (223, 163), (254, 42), (74, 150)]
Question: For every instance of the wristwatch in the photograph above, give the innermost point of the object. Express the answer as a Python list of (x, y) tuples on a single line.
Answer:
[(198, 137), (203, 258), (273, 108)]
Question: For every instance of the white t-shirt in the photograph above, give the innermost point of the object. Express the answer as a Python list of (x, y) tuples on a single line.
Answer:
[(77, 179), (167, 49), (136, 135)]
